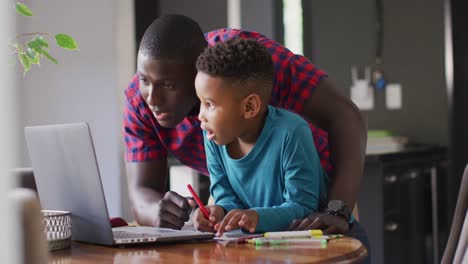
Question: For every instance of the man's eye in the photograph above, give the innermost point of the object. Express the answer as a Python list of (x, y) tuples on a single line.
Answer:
[(144, 81), (168, 85)]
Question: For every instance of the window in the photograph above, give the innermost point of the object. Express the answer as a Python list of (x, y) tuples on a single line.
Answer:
[(293, 26)]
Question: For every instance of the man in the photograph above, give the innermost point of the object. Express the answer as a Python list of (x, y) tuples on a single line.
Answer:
[(161, 116)]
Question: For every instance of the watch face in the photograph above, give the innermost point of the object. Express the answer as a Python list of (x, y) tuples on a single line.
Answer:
[(335, 205)]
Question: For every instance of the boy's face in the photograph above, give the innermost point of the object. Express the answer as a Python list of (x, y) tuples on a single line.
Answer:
[(167, 87), (221, 111)]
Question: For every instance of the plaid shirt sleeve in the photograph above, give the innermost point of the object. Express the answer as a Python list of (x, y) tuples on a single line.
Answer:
[(295, 77), (141, 139), (295, 82)]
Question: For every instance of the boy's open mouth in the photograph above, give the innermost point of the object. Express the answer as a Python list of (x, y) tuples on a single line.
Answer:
[(210, 135)]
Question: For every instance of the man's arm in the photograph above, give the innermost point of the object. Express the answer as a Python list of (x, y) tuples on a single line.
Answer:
[(151, 205), (347, 137)]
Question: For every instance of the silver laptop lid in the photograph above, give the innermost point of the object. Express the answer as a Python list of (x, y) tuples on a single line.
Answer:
[(67, 178)]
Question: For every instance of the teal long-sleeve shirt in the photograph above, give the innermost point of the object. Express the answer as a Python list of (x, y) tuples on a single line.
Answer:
[(281, 178)]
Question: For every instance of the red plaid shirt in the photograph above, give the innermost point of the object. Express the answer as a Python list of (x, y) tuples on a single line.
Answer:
[(296, 78)]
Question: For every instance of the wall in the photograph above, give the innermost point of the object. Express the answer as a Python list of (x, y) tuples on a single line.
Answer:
[(210, 14), (343, 34), (251, 19), (87, 85), (9, 240)]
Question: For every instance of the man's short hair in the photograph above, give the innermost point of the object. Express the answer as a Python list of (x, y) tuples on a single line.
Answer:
[(240, 61), (173, 37)]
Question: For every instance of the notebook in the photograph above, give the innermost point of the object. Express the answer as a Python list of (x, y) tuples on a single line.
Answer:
[(67, 178)]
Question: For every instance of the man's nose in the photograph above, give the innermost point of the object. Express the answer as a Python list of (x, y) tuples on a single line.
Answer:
[(155, 97)]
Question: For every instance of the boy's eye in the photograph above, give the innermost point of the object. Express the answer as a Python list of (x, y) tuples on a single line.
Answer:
[(208, 105)]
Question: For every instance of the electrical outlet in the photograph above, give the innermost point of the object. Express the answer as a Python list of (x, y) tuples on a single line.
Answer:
[(362, 93), (393, 96)]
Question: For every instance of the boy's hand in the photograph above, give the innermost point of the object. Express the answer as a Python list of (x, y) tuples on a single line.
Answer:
[(330, 224), (207, 225), (235, 219)]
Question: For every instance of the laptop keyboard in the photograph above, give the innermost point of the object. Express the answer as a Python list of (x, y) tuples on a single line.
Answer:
[(130, 235)]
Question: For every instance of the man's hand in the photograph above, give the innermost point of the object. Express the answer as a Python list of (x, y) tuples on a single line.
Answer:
[(330, 224), (235, 219), (207, 225), (173, 211)]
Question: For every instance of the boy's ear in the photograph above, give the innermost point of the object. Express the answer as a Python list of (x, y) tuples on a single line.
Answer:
[(252, 105)]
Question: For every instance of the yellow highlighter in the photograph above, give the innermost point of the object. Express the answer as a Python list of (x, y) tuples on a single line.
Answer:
[(294, 234), (280, 241)]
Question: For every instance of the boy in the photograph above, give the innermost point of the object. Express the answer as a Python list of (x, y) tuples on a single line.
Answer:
[(264, 170)]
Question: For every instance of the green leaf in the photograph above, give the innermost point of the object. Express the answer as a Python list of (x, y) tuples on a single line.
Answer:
[(33, 44), (66, 41), (38, 44), (25, 62), (47, 55), (33, 56), (22, 9), (42, 41)]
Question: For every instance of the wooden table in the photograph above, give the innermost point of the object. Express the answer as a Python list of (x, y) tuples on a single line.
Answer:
[(343, 250)]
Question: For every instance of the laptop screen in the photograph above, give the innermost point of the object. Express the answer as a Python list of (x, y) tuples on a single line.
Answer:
[(67, 178)]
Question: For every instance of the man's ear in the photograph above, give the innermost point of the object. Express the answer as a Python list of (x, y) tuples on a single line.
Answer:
[(252, 105)]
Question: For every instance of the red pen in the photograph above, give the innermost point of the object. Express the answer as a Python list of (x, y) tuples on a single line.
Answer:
[(199, 202)]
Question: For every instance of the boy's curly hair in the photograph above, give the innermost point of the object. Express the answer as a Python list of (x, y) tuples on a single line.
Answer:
[(241, 61)]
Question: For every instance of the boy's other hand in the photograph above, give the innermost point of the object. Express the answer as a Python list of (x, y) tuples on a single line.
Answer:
[(330, 224), (172, 211), (207, 225), (235, 219)]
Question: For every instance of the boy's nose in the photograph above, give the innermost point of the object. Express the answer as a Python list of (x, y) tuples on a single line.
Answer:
[(201, 115)]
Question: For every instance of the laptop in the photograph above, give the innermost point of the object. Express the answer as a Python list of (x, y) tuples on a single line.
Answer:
[(67, 178)]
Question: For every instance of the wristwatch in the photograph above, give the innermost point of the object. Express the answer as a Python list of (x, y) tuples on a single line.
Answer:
[(338, 207)]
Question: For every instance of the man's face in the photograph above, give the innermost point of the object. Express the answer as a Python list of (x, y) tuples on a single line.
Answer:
[(167, 88), (221, 111)]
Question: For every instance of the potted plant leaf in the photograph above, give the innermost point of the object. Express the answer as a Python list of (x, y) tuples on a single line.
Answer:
[(31, 51)]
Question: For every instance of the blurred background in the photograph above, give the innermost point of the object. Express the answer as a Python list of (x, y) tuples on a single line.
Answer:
[(416, 108)]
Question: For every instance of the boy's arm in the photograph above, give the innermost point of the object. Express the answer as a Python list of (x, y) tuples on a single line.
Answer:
[(347, 134), (220, 187), (304, 181)]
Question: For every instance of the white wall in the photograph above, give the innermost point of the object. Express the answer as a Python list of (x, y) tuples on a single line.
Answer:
[(87, 85), (9, 239)]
